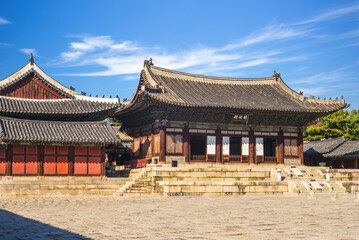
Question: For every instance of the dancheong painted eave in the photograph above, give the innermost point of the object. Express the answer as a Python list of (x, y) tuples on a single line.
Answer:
[(180, 89)]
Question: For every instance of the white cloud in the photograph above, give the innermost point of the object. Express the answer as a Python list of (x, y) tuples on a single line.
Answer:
[(331, 14), (28, 51), (269, 33), (3, 21)]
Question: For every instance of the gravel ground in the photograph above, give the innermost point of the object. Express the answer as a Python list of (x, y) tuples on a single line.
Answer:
[(153, 217)]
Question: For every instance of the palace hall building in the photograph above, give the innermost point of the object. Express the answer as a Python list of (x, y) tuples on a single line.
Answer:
[(176, 116), (49, 129)]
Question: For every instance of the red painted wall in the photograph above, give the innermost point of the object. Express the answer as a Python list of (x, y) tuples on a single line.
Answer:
[(31, 87)]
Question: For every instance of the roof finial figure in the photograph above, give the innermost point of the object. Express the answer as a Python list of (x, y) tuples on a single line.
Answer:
[(148, 62), (276, 75), (31, 59)]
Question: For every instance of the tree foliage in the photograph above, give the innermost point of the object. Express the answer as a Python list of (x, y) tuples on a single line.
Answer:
[(341, 123), (114, 122)]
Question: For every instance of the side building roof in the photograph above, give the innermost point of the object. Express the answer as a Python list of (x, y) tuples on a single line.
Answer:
[(322, 146), (57, 109), (189, 90), (53, 132)]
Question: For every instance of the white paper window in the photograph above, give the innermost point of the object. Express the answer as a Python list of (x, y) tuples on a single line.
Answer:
[(211, 145), (245, 146), (259, 146), (225, 145)]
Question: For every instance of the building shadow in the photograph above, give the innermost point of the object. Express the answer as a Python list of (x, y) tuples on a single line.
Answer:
[(14, 226)]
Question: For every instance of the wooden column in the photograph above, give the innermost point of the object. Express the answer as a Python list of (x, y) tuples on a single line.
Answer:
[(9, 160), (280, 147), (71, 161), (300, 146), (152, 144), (251, 146), (103, 161), (41, 161), (356, 163), (219, 141), (186, 143), (162, 144)]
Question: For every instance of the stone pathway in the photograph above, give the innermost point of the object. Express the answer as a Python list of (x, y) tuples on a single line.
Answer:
[(153, 217)]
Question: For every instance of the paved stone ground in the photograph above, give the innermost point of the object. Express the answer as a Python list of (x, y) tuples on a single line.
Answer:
[(218, 217)]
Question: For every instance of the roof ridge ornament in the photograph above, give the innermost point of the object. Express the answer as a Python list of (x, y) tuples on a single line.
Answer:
[(31, 60), (148, 62), (276, 75)]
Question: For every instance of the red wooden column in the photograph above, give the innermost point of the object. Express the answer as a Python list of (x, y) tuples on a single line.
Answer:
[(152, 144), (356, 163), (71, 161), (219, 143), (162, 144), (186, 143), (280, 147), (300, 145), (251, 146), (9, 160)]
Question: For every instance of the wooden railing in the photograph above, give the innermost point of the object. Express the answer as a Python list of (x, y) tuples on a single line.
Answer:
[(198, 157), (270, 159)]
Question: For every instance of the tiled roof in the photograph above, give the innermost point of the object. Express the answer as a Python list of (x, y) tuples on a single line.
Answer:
[(31, 67), (189, 90), (122, 136), (59, 109), (54, 132), (348, 148), (322, 146)]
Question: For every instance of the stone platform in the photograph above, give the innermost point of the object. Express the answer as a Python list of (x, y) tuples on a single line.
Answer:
[(190, 180)]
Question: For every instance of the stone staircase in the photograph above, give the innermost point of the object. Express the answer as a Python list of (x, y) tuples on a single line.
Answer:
[(313, 179), (195, 180), (59, 186)]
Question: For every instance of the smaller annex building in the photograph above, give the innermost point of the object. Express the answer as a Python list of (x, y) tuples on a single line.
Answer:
[(334, 153), (48, 129), (176, 116)]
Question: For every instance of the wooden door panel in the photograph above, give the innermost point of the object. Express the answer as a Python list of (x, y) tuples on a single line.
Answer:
[(31, 149), (95, 151), (62, 165), (2, 167), (80, 166), (94, 166), (18, 165), (80, 150), (2, 153), (18, 149), (63, 150), (31, 165), (49, 150), (49, 165)]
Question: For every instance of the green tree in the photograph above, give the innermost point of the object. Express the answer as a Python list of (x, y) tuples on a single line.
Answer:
[(114, 122), (341, 123)]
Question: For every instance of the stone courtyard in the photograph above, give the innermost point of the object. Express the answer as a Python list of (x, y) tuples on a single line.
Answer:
[(159, 217)]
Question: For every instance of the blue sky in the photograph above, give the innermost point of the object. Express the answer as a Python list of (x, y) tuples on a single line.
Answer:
[(99, 46)]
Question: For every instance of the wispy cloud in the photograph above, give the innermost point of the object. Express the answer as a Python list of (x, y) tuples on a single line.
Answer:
[(127, 57), (269, 33), (256, 49), (3, 21), (331, 14), (28, 51)]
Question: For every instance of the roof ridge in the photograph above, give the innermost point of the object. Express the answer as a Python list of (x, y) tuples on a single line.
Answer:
[(210, 79), (53, 122)]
